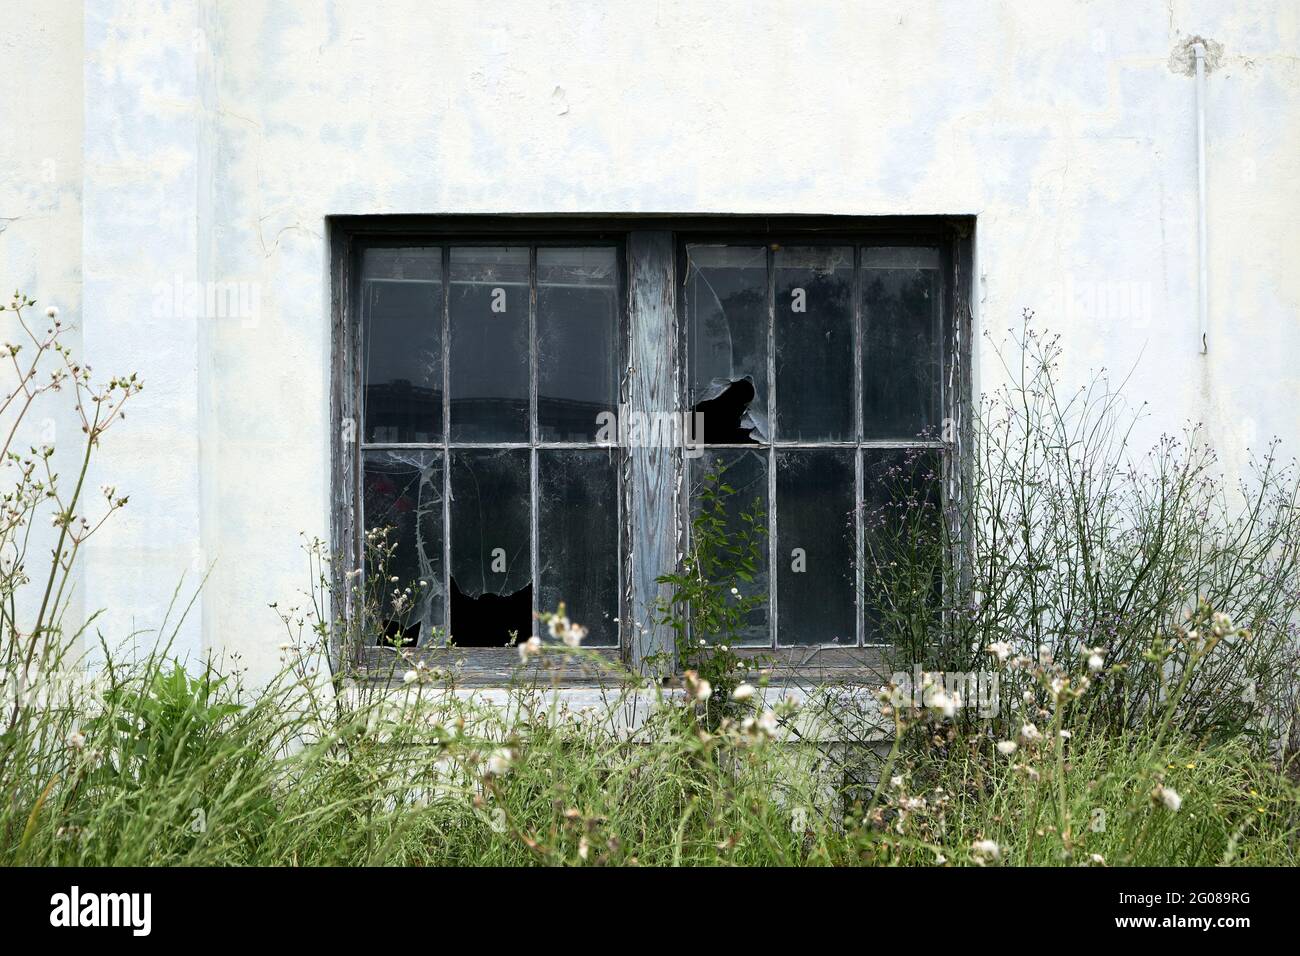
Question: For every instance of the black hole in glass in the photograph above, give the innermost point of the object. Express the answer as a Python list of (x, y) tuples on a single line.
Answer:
[(723, 415), (490, 620)]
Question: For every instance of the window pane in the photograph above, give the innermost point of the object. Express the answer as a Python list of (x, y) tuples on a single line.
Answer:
[(815, 537), (814, 344), (489, 344), (726, 321), (491, 555), (903, 542), (902, 293), (577, 530), (577, 341), (402, 492), (401, 333), (745, 473)]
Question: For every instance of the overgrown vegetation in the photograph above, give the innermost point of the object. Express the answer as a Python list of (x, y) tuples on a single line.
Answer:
[(1140, 626)]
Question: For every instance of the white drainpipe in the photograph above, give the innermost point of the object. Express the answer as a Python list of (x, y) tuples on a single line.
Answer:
[(1203, 305)]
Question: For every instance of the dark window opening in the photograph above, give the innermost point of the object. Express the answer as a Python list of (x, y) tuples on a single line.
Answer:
[(486, 355), (829, 357), (726, 417), (488, 373), (490, 620)]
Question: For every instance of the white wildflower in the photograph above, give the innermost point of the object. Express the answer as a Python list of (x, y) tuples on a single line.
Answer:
[(52, 312), (530, 649), (696, 686), (76, 740), (986, 850), (498, 763), (1001, 650), (1030, 734), (410, 677), (573, 635), (743, 692), (1095, 661), (1170, 797), (944, 702), (1006, 747)]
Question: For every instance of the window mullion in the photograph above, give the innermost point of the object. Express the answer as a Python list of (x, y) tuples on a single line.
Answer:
[(652, 313), (446, 441), (773, 561), (859, 517), (534, 550)]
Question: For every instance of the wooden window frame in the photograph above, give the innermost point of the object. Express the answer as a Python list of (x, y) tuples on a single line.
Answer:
[(654, 505)]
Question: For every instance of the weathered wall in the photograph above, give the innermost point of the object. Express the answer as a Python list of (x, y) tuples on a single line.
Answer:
[(217, 136)]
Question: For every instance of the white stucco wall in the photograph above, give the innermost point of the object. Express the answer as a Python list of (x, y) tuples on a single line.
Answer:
[(206, 141)]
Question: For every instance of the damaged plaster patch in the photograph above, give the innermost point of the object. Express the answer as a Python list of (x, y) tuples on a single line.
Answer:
[(559, 101), (1183, 60)]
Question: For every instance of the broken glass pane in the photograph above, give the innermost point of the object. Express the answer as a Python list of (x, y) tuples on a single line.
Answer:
[(401, 334), (402, 492), (726, 323), (814, 344), (491, 559), (745, 473), (577, 539), (815, 540), (489, 344), (902, 347), (903, 541), (577, 341)]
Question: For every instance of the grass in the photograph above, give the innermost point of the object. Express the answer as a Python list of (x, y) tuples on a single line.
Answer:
[(156, 767), (1236, 808), (1122, 738)]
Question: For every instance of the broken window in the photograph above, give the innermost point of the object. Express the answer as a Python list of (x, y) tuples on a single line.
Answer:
[(829, 357), (402, 492), (577, 538), (493, 394), (481, 458), (727, 341)]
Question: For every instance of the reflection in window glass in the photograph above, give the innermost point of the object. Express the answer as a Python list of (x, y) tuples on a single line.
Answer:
[(402, 492), (577, 341), (489, 360), (577, 531), (814, 344), (745, 473), (816, 543), (902, 343), (903, 538), (401, 329), (726, 318)]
